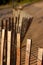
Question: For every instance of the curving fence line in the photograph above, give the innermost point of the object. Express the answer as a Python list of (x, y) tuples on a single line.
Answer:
[(25, 59), (13, 29)]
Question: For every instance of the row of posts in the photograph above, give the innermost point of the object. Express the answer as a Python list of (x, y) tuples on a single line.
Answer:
[(28, 49), (28, 45), (7, 25)]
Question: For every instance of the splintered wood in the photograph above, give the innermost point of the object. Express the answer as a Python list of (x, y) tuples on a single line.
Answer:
[(28, 46), (8, 47), (40, 54), (2, 45), (18, 49)]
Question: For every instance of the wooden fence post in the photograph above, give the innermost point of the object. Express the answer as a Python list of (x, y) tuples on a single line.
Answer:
[(40, 54), (18, 49), (2, 45), (0, 29), (8, 47), (4, 24), (14, 22), (28, 46)]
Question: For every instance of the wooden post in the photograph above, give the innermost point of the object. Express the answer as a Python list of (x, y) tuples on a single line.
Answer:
[(4, 24), (5, 44), (40, 54), (8, 25), (2, 45), (0, 29), (8, 47), (28, 46), (20, 21), (14, 22), (18, 49)]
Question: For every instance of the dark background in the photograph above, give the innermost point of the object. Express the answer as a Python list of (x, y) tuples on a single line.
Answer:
[(3, 2), (7, 1)]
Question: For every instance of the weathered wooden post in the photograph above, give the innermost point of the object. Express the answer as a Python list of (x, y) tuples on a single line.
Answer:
[(2, 45), (5, 44), (40, 54), (14, 23), (0, 25), (0, 29), (13, 39), (0, 35), (8, 47), (4, 24), (20, 22), (15, 15), (28, 47), (8, 25), (18, 49)]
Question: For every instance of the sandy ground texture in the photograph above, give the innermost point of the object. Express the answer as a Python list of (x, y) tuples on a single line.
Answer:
[(35, 31)]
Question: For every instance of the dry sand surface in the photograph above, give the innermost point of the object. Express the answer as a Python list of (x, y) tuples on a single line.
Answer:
[(35, 32)]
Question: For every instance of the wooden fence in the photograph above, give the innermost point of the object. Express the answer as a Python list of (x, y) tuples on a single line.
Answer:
[(18, 56), (12, 32)]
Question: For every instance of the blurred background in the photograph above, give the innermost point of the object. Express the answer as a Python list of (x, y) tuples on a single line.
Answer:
[(3, 2)]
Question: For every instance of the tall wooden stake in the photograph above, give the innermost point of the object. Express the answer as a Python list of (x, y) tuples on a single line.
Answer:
[(28, 46), (2, 45), (0, 29), (8, 47), (40, 54), (18, 49), (14, 21)]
